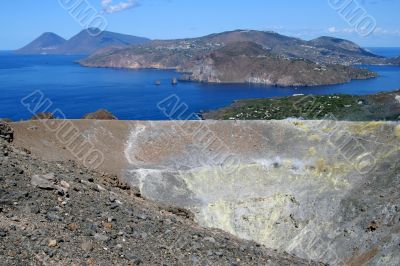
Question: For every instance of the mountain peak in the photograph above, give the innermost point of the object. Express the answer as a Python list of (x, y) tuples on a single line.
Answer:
[(331, 39), (85, 42), (91, 31), (45, 43), (342, 45), (51, 34)]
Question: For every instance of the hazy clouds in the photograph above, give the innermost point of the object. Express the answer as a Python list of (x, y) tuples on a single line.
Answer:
[(110, 6)]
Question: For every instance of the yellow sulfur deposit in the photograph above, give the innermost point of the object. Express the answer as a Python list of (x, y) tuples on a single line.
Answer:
[(366, 128), (315, 138), (312, 151), (301, 125), (397, 131)]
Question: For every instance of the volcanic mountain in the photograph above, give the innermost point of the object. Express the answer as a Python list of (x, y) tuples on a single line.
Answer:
[(46, 43), (83, 43)]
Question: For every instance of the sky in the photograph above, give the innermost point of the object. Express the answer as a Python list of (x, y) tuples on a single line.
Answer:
[(377, 23)]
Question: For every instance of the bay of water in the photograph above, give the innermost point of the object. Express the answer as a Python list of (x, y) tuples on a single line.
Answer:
[(133, 95)]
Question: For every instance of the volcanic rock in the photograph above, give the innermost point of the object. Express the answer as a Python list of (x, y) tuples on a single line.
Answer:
[(73, 234), (43, 116), (101, 114), (6, 132)]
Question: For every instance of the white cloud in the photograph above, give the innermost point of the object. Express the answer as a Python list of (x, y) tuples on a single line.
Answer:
[(377, 31), (109, 7), (382, 31), (332, 30), (337, 30)]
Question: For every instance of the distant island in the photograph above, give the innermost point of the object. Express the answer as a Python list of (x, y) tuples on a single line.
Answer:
[(81, 44), (243, 56), (240, 56)]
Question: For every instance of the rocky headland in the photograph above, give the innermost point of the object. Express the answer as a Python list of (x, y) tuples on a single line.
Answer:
[(248, 62), (228, 58)]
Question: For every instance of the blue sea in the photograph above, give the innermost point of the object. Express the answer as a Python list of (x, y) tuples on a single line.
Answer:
[(133, 95), (385, 51)]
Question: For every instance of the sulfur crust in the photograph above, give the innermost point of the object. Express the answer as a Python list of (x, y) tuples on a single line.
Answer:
[(397, 131), (365, 129), (301, 125), (315, 137)]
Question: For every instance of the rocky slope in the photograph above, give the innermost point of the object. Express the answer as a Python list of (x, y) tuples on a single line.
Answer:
[(332, 47), (62, 214), (248, 62), (324, 190), (81, 44), (395, 60)]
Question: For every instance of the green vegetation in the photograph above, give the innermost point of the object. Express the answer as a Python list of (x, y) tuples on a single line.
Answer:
[(381, 106)]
